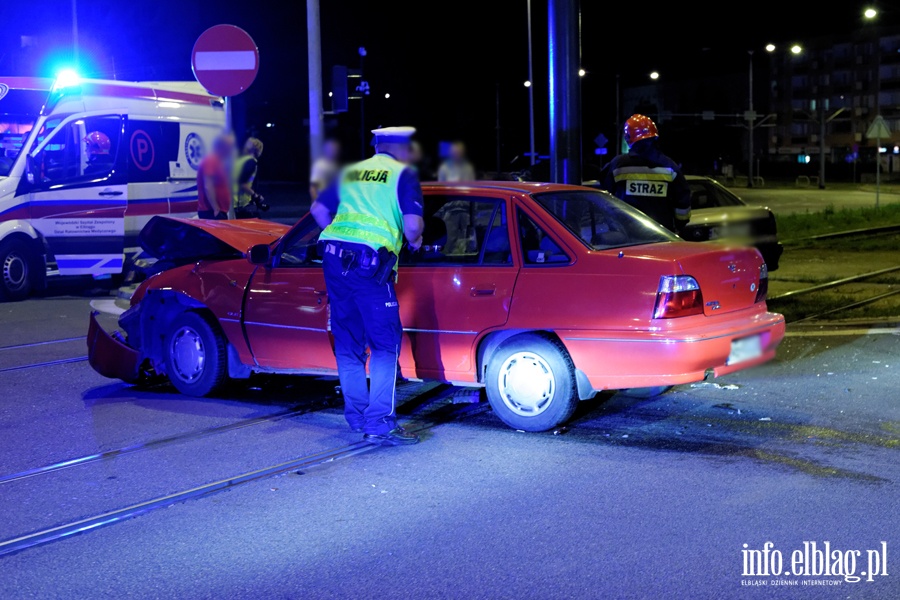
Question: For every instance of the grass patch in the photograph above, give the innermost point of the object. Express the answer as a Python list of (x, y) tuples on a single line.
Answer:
[(829, 220)]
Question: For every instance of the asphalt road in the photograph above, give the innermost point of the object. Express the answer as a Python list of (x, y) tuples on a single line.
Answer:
[(636, 499)]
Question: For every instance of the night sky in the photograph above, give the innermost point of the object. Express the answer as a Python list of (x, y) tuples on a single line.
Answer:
[(443, 73)]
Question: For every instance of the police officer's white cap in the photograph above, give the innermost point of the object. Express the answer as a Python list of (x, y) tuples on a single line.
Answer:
[(393, 135)]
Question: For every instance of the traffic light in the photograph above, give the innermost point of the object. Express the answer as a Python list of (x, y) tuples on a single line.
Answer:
[(346, 84)]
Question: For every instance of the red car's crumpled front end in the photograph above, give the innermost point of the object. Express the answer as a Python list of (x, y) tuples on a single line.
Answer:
[(110, 356)]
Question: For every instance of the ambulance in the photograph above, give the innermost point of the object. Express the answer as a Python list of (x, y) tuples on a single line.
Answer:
[(84, 164)]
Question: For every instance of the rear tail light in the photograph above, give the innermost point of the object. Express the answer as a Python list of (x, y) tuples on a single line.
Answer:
[(678, 296), (763, 288)]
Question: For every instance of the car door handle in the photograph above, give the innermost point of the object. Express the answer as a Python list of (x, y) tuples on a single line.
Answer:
[(110, 193), (483, 291)]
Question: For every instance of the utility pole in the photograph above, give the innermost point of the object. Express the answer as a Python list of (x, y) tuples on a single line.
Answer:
[(75, 58), (530, 89), (497, 127), (751, 117), (618, 119), (314, 51), (565, 91)]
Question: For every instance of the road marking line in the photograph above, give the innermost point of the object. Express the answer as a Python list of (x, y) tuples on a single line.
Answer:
[(845, 332)]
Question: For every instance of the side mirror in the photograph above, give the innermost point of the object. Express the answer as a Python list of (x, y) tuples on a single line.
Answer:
[(260, 254)]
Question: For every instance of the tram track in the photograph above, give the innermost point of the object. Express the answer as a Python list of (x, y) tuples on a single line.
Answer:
[(774, 301), (40, 537)]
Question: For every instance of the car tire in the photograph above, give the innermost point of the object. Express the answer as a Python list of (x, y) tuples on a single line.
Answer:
[(17, 266), (530, 381), (195, 355), (647, 392)]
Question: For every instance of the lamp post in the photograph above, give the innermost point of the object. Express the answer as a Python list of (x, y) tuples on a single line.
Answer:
[(530, 91)]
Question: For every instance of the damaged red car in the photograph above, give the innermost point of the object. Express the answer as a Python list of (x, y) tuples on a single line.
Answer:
[(549, 295)]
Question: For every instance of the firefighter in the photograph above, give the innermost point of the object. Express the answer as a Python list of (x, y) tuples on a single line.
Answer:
[(647, 179), (365, 216)]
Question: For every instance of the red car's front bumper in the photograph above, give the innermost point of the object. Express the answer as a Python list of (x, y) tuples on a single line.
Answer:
[(109, 356)]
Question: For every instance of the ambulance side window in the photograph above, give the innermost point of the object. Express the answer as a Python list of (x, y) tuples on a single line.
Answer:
[(80, 151)]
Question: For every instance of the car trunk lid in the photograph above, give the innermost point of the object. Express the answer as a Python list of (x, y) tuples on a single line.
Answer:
[(729, 278)]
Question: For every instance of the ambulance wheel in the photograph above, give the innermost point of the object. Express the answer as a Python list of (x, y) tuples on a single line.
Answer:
[(196, 357), (530, 383), (17, 266), (647, 392)]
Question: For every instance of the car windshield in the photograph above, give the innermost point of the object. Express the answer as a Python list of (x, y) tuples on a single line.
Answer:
[(601, 221), (18, 112)]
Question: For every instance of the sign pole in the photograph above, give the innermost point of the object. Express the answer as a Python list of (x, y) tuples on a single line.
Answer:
[(228, 109), (877, 170)]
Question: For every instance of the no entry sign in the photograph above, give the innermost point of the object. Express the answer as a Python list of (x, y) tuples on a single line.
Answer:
[(225, 60)]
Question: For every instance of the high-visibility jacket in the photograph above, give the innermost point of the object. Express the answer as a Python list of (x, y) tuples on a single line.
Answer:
[(241, 197), (369, 210), (651, 182)]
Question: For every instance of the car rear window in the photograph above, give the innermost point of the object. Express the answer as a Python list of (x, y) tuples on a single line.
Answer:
[(601, 221)]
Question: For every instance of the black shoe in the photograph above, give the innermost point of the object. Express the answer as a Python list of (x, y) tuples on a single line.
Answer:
[(395, 437)]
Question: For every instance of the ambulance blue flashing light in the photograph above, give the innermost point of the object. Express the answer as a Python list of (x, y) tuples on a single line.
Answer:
[(66, 78)]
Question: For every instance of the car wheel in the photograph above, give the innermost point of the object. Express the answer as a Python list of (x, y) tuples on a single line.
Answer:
[(647, 392), (196, 358), (17, 263), (530, 383)]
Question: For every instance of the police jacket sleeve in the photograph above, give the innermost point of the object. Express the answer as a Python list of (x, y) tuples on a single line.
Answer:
[(409, 193)]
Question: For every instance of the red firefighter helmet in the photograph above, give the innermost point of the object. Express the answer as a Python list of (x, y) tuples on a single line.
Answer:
[(97, 143), (639, 127)]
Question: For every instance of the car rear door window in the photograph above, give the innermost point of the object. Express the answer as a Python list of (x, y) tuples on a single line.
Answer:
[(538, 248), (462, 230)]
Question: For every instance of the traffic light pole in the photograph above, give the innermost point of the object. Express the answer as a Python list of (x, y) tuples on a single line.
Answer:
[(314, 47), (565, 91)]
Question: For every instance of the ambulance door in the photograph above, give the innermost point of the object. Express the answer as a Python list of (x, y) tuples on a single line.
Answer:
[(151, 146), (78, 194)]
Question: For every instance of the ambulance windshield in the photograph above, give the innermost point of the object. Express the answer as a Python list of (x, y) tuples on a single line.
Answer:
[(19, 110), (601, 221)]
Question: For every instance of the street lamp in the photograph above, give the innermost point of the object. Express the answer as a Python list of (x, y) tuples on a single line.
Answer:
[(870, 13), (796, 49), (770, 47), (582, 72), (654, 75), (386, 96), (527, 84)]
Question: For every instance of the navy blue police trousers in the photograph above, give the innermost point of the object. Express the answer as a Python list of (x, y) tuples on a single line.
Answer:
[(364, 315)]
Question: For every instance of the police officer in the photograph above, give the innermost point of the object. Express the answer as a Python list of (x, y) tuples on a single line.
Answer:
[(365, 215), (647, 179)]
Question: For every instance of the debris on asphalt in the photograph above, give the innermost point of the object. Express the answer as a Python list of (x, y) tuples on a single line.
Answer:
[(766, 419), (715, 386), (561, 431)]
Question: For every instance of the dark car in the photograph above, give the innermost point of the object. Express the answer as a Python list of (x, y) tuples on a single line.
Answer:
[(718, 214)]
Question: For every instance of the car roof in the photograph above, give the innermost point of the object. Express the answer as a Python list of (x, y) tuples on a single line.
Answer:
[(527, 187)]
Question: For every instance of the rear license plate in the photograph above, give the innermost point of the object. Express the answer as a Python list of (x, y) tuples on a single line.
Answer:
[(745, 349)]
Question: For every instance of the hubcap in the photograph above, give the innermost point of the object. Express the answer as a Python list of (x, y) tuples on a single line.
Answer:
[(526, 384), (15, 271), (188, 354)]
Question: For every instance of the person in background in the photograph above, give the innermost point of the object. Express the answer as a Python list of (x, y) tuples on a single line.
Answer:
[(325, 169), (213, 181), (456, 168), (247, 203), (647, 179), (365, 217)]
